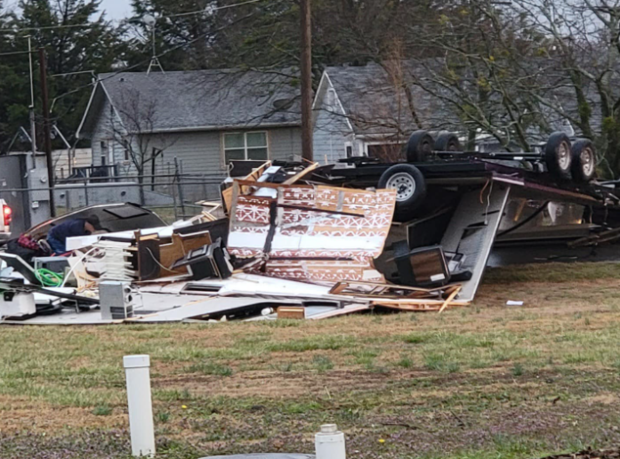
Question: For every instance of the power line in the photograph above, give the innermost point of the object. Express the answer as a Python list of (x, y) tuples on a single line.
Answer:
[(217, 8), (62, 26), (71, 26), (92, 72), (176, 48), (15, 53)]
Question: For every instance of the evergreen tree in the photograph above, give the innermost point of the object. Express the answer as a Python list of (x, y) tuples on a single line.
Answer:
[(14, 82), (79, 43)]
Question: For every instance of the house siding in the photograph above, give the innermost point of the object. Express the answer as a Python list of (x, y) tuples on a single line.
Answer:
[(108, 128), (331, 131), (80, 157), (198, 154), (285, 144)]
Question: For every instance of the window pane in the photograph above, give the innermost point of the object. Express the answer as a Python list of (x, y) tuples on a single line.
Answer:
[(257, 139), (234, 155), (257, 153), (233, 141)]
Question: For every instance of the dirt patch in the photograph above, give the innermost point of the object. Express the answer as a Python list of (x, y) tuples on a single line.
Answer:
[(43, 418), (276, 385), (589, 454), (603, 399)]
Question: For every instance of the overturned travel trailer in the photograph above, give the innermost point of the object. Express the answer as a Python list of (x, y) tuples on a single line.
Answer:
[(308, 241)]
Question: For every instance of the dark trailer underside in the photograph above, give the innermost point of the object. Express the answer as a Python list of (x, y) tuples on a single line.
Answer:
[(474, 205), (462, 173)]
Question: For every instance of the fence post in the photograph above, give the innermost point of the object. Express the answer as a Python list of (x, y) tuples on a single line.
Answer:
[(140, 405), (86, 192), (204, 187), (174, 198), (178, 178), (181, 198)]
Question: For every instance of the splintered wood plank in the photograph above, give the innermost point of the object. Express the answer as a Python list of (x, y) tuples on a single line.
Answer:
[(300, 175), (427, 306), (449, 299), (291, 312)]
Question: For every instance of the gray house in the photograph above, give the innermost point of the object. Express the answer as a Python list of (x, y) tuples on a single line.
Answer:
[(140, 123), (370, 111)]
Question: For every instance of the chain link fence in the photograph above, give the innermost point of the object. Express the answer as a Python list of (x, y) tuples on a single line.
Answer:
[(171, 196)]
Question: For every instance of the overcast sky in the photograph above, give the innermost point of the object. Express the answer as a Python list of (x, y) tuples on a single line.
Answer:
[(116, 9)]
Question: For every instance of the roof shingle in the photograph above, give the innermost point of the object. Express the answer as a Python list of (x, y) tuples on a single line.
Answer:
[(205, 99)]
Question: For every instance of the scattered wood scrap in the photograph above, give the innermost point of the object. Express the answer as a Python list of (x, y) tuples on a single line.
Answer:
[(417, 305), (449, 299), (401, 297), (291, 312), (383, 290)]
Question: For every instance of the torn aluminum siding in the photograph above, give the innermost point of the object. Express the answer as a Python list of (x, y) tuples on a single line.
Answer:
[(472, 231)]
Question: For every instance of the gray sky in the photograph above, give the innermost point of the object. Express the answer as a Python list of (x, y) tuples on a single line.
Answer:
[(116, 9)]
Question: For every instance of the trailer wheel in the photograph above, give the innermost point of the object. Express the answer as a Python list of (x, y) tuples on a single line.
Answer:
[(583, 161), (410, 188), (447, 141), (558, 155), (419, 147)]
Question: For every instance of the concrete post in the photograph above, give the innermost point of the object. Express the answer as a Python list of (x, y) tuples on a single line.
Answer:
[(140, 405), (329, 443)]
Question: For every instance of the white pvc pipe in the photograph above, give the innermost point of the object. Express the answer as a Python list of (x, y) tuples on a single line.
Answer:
[(330, 443), (140, 406)]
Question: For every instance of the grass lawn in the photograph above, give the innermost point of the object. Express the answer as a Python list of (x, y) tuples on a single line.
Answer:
[(488, 381)]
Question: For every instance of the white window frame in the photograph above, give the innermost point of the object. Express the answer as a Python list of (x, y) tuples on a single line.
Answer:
[(106, 152), (347, 146), (375, 143), (245, 144)]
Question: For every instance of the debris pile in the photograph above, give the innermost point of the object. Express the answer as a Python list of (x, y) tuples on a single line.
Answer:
[(288, 249), (294, 241)]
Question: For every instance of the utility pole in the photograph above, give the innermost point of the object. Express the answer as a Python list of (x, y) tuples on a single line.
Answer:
[(47, 130), (33, 129), (306, 81)]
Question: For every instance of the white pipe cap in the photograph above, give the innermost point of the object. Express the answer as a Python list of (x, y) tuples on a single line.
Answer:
[(136, 361), (329, 428)]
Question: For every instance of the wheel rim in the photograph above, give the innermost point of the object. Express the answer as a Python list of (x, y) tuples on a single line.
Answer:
[(427, 147), (587, 161), (563, 156), (404, 184)]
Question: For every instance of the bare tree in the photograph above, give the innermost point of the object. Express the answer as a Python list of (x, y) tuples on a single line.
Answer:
[(482, 62), (582, 47), (518, 71), (137, 134)]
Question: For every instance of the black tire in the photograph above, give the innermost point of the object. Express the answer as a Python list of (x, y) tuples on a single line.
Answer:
[(410, 188), (447, 141), (558, 155), (583, 161), (419, 147)]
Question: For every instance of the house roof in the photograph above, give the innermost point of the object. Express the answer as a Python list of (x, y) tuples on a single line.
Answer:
[(376, 103), (195, 100)]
